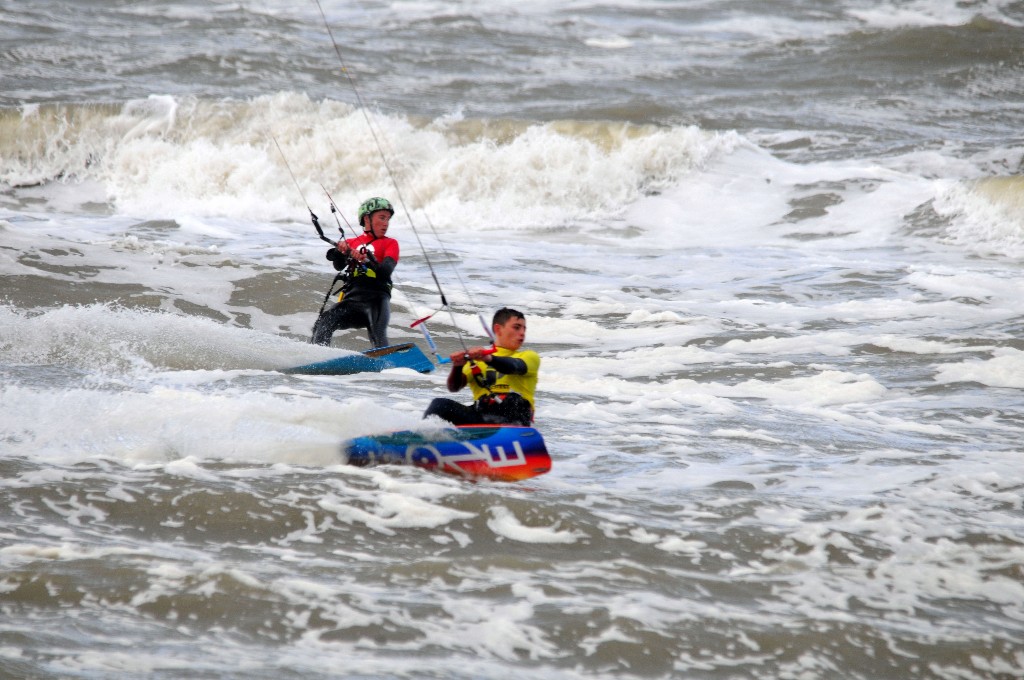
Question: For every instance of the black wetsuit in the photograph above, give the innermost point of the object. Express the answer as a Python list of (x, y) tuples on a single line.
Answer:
[(366, 299)]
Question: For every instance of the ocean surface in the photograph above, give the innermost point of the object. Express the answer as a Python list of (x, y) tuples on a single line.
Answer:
[(771, 253)]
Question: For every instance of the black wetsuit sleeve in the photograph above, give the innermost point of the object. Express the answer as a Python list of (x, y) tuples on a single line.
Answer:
[(385, 268), (456, 379), (509, 365)]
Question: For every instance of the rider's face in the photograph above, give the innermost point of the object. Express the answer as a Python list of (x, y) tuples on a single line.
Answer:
[(511, 334), (379, 222)]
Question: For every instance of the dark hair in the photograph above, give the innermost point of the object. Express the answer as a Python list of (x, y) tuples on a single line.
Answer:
[(504, 314)]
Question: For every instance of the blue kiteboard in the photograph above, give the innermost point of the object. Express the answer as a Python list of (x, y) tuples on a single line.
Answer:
[(372, 361)]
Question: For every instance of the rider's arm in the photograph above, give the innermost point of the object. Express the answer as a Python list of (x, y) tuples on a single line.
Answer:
[(456, 378), (385, 268), (508, 365)]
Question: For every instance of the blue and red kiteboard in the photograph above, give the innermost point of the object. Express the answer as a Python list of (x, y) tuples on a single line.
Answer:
[(502, 452)]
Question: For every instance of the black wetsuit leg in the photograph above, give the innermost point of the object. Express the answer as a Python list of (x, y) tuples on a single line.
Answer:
[(345, 314), (378, 315), (452, 411), (514, 410), (355, 311)]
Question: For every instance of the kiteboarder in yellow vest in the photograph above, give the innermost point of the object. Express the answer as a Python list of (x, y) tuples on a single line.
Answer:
[(503, 379)]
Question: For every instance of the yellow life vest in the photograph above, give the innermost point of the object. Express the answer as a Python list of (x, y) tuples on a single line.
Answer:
[(499, 383)]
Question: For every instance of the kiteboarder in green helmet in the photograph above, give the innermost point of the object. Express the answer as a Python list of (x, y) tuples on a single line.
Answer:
[(368, 261)]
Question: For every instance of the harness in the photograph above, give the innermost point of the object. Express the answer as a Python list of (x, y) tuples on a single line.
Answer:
[(357, 270), (349, 270), (492, 398)]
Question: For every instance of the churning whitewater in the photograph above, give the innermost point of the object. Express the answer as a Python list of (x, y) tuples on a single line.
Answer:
[(771, 257)]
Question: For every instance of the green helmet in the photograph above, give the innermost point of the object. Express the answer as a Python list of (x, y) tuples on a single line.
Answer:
[(372, 205)]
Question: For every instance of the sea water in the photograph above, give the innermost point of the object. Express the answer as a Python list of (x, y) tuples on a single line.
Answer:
[(770, 253)]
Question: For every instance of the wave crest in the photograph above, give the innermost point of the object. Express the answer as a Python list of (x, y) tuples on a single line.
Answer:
[(168, 156)]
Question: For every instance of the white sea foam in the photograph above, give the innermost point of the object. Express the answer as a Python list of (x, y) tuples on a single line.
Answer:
[(987, 215), (503, 522), (101, 336), (180, 425), (1004, 369), (932, 13), (393, 511)]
